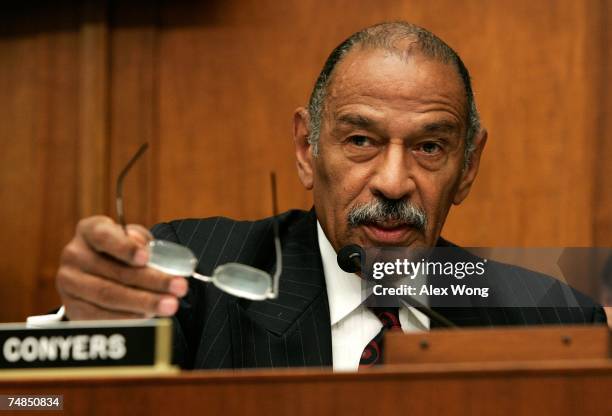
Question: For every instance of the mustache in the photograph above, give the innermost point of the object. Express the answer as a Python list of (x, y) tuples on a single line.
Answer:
[(382, 210)]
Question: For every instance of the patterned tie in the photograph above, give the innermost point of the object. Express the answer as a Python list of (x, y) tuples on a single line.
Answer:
[(372, 353)]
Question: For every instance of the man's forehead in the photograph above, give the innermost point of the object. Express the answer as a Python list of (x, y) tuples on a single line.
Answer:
[(369, 74), (365, 65), (354, 119)]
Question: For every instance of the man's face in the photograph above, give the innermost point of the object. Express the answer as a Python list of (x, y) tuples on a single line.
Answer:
[(393, 130)]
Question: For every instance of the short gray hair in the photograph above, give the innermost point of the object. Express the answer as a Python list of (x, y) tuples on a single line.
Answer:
[(385, 36)]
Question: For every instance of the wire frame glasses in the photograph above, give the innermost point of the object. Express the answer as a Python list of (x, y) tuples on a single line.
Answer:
[(234, 278)]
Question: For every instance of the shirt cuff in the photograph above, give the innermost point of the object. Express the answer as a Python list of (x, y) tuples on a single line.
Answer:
[(41, 321)]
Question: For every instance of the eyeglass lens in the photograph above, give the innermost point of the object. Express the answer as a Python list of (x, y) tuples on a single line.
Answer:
[(234, 278), (175, 259)]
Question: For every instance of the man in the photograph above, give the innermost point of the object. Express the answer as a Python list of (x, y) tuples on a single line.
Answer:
[(390, 140)]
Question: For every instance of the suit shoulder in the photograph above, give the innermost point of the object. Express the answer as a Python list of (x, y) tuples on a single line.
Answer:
[(536, 287), (539, 283), (519, 287), (186, 229)]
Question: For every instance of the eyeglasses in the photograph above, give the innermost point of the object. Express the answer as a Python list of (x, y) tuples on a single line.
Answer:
[(233, 278)]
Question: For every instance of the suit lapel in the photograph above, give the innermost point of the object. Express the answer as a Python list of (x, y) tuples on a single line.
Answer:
[(294, 329)]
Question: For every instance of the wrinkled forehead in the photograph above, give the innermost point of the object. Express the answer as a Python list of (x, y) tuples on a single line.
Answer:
[(394, 75)]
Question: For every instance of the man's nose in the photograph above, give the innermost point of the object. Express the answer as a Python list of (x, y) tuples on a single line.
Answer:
[(393, 178)]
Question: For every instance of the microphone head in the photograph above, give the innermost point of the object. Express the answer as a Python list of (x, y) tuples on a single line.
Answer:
[(349, 258)]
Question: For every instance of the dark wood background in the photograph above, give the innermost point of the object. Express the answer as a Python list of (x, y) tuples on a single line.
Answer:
[(212, 86)]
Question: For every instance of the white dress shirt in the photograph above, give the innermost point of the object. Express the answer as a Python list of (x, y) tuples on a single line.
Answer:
[(353, 325)]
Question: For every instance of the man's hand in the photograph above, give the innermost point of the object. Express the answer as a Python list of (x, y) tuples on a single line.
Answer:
[(103, 274)]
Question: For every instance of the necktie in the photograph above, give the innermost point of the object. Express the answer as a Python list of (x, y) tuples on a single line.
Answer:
[(372, 353)]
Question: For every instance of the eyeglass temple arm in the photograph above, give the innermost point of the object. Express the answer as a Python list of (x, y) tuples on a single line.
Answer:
[(279, 261), (119, 188), (277, 244)]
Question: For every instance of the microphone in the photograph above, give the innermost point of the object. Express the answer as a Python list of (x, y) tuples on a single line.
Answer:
[(349, 259)]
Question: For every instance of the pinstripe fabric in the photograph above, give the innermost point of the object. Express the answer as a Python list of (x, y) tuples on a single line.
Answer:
[(538, 299), (215, 330)]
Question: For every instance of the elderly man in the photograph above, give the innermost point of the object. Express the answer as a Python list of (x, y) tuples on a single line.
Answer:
[(389, 141)]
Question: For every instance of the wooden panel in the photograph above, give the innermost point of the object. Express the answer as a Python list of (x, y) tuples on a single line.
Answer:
[(212, 86), (39, 52), (93, 114), (472, 389), (601, 63), (133, 106), (228, 87), (534, 89)]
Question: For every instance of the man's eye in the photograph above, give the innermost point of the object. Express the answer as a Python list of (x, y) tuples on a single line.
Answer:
[(430, 148), (360, 141)]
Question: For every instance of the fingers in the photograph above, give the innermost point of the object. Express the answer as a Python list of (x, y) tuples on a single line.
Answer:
[(113, 296), (139, 234), (105, 236), (77, 310), (146, 278), (101, 274)]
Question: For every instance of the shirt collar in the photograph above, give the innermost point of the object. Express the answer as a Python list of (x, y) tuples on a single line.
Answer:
[(343, 289)]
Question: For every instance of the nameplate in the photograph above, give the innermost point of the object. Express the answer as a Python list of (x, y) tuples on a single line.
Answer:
[(86, 344)]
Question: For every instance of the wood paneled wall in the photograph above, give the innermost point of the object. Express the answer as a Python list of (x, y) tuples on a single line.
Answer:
[(212, 86)]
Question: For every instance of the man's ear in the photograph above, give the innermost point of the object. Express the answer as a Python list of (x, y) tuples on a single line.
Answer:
[(303, 149), (470, 172)]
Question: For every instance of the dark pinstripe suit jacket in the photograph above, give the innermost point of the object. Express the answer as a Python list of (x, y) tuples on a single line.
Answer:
[(216, 330)]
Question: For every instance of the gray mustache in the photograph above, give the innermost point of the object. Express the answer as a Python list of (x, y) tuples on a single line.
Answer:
[(388, 210)]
